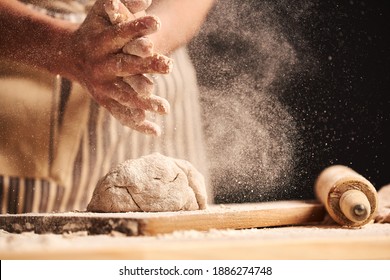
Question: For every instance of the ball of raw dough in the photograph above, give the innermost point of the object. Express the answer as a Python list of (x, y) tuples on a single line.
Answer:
[(151, 183)]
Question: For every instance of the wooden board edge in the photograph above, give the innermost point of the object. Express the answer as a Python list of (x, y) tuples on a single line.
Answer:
[(66, 224), (234, 217), (303, 215)]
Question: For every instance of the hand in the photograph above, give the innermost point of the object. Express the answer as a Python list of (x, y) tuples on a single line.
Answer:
[(95, 51)]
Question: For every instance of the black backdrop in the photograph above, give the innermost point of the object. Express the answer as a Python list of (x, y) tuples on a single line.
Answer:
[(339, 98)]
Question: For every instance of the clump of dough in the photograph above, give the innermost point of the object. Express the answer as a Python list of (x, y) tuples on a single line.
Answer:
[(153, 183)]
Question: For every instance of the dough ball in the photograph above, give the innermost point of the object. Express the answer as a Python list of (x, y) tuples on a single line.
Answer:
[(153, 183)]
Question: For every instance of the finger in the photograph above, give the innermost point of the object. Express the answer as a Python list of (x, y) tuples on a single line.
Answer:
[(116, 36), (124, 113), (126, 65), (136, 6), (126, 117), (142, 47), (157, 103), (117, 12), (141, 84), (137, 115), (122, 93), (148, 127)]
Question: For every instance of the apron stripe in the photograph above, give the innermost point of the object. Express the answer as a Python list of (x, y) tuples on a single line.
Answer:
[(29, 194), (65, 89), (13, 195), (58, 200), (76, 177), (2, 196), (45, 188)]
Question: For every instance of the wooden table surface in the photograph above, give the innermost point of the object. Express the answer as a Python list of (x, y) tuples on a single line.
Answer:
[(296, 242), (274, 230)]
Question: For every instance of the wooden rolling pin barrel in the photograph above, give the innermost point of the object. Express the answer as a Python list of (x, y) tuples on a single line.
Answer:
[(350, 199)]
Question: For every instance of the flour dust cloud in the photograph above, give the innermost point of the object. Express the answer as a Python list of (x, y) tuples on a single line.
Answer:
[(245, 61)]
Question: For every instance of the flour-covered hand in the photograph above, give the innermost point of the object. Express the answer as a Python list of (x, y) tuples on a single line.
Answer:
[(97, 61)]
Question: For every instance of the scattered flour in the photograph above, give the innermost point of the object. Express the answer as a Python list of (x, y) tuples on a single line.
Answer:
[(244, 60)]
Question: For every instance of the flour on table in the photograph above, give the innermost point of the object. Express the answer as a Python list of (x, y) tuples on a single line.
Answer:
[(152, 183)]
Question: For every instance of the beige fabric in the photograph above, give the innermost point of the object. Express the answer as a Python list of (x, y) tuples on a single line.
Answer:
[(28, 108)]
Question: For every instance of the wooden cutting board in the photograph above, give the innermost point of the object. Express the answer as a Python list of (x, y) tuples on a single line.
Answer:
[(229, 216)]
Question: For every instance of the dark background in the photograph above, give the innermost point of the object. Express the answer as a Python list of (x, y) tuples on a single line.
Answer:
[(338, 96)]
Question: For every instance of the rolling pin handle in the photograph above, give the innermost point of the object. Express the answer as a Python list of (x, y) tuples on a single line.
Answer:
[(360, 210), (355, 205)]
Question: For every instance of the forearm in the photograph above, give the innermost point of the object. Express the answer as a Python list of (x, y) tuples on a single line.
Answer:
[(181, 20), (32, 38)]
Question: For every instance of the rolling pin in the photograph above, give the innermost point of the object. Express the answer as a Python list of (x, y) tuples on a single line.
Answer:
[(350, 199)]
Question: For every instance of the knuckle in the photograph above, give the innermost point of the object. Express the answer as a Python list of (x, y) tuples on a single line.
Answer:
[(136, 6)]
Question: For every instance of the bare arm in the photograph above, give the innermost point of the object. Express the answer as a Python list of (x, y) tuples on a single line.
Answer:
[(23, 32), (181, 20)]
